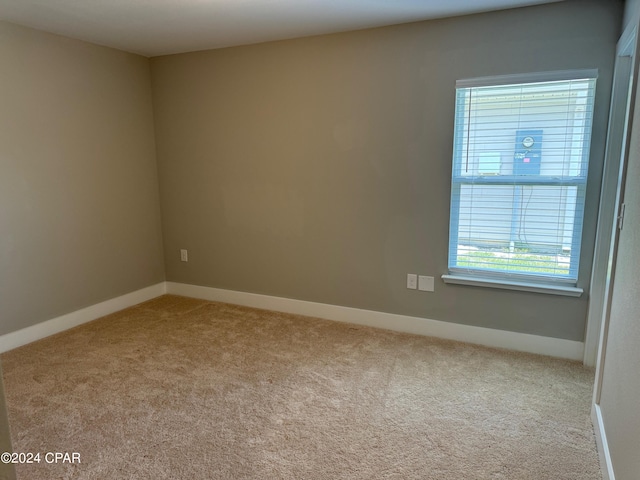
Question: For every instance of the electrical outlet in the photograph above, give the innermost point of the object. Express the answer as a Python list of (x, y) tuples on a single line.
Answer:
[(425, 283), (184, 255), (412, 281)]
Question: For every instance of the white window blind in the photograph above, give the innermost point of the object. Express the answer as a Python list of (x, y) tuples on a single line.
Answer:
[(521, 152)]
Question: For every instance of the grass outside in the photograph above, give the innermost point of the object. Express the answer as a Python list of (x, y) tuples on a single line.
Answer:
[(515, 262)]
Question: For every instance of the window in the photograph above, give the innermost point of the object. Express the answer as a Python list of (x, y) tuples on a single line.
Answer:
[(520, 158)]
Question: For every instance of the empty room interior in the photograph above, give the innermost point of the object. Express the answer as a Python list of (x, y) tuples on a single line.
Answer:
[(319, 240)]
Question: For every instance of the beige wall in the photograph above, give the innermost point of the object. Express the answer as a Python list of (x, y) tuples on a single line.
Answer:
[(319, 168), (621, 382), (79, 213)]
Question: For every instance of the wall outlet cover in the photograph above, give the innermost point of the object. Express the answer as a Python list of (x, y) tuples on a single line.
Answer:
[(426, 284)]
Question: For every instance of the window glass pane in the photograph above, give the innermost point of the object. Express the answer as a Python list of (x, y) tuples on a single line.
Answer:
[(556, 117), (517, 228)]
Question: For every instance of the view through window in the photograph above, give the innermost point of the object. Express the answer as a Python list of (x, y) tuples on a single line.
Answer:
[(521, 153)]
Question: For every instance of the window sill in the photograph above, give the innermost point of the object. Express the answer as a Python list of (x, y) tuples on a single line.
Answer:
[(513, 285)]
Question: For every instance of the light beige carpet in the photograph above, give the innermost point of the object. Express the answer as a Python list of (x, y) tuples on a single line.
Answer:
[(177, 388)]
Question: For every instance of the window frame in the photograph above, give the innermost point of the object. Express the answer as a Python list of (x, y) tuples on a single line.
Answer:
[(559, 284)]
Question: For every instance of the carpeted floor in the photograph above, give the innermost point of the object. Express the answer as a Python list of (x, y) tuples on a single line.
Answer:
[(178, 388)]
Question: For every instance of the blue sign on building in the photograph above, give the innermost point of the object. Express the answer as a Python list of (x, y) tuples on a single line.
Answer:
[(528, 152)]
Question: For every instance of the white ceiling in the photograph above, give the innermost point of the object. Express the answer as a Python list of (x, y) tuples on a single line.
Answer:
[(160, 27)]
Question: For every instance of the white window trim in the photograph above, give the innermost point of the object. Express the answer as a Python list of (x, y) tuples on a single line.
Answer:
[(477, 281), (498, 80)]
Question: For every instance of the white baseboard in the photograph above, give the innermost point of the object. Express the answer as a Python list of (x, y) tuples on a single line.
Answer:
[(55, 325), (523, 342), (453, 331), (601, 440)]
